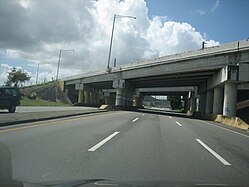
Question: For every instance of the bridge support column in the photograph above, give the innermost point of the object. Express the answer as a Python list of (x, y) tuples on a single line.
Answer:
[(218, 100), (186, 103), (191, 103), (99, 97), (81, 96), (119, 97), (138, 101), (230, 99), (192, 107), (86, 96), (107, 100), (93, 97), (202, 103), (129, 100), (209, 102)]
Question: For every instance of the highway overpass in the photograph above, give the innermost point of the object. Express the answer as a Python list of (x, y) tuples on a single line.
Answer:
[(210, 76)]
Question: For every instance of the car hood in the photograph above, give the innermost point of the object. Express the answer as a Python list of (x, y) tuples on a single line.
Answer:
[(109, 183)]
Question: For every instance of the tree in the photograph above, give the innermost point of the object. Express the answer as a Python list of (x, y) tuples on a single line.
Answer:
[(16, 77), (175, 102)]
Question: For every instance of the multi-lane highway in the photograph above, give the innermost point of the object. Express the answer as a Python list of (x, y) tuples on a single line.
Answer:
[(127, 146)]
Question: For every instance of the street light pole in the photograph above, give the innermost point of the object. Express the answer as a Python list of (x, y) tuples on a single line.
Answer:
[(113, 25), (57, 74), (110, 48), (37, 73), (59, 61)]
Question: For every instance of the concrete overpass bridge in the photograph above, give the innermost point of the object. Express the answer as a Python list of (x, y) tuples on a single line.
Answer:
[(211, 76)]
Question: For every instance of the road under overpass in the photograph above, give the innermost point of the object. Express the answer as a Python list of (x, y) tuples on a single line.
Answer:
[(216, 73)]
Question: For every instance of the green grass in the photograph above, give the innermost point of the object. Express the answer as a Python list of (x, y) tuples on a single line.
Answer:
[(28, 102)]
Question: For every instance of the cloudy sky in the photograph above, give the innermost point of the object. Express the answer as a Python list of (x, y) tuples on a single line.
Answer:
[(32, 32)]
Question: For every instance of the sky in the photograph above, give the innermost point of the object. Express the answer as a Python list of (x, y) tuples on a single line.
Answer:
[(33, 32)]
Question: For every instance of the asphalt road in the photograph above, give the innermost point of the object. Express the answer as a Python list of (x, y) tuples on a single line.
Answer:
[(25, 109), (125, 146)]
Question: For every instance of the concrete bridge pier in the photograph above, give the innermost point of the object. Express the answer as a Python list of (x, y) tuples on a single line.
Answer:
[(100, 97), (107, 100), (107, 97), (230, 99), (119, 97), (222, 99), (192, 106), (209, 102), (94, 96), (202, 103), (86, 96), (84, 93), (138, 99), (191, 103), (218, 100), (127, 97), (119, 85), (81, 96), (186, 103)]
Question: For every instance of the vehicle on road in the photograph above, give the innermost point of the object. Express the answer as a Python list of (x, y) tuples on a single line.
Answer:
[(9, 98)]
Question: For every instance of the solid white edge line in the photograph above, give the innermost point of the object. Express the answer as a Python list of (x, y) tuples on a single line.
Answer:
[(178, 123), (225, 129), (98, 145), (214, 153), (135, 120)]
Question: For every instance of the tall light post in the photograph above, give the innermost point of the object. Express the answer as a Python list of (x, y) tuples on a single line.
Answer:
[(110, 48), (59, 61), (57, 74), (37, 71)]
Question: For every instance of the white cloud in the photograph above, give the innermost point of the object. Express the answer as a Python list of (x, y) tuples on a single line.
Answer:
[(200, 11), (215, 6), (4, 68), (169, 37), (36, 30)]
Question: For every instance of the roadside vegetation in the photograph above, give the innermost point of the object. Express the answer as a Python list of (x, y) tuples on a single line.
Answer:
[(38, 102)]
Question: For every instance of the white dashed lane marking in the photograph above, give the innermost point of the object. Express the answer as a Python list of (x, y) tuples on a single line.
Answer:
[(98, 145), (178, 123), (135, 120)]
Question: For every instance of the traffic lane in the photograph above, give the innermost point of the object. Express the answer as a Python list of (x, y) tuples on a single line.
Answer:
[(38, 150), (182, 158), (140, 155), (155, 148), (24, 109), (37, 130), (232, 145)]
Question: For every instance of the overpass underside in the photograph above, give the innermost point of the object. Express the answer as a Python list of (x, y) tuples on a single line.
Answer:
[(208, 79)]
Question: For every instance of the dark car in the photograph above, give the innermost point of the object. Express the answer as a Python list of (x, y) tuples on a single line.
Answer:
[(9, 98)]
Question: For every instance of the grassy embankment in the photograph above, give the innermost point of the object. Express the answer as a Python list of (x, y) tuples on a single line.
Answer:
[(30, 97), (38, 102)]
